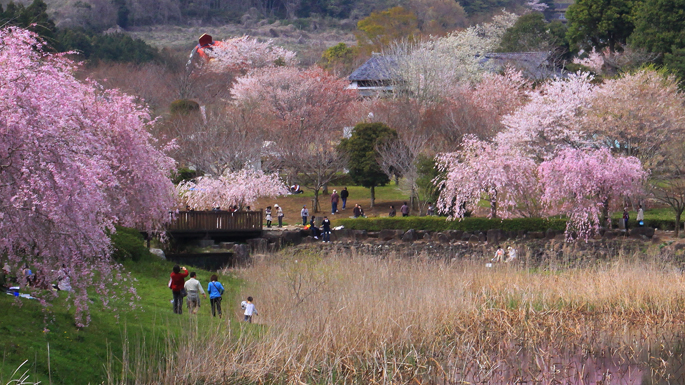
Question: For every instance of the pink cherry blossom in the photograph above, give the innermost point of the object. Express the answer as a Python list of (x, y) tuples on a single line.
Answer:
[(578, 183), (243, 53), (74, 161), (481, 170), (237, 188)]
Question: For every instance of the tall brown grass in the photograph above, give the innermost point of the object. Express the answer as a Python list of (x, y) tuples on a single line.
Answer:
[(348, 318)]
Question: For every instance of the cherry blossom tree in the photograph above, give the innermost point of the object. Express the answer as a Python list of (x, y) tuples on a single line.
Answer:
[(582, 183), (233, 188), (637, 114), (74, 161), (216, 139), (244, 53), (430, 69), (550, 120), (482, 170), (304, 114)]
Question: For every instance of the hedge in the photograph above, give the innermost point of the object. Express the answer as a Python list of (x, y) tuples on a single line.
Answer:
[(478, 224), (128, 243), (441, 224)]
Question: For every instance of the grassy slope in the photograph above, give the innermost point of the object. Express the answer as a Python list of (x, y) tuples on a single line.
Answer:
[(79, 356)]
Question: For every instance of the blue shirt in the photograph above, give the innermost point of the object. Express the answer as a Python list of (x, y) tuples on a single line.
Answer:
[(214, 289)]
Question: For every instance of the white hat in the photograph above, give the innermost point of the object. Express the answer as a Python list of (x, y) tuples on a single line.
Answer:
[(275, 205)]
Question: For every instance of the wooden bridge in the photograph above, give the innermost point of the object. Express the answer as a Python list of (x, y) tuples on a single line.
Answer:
[(215, 223)]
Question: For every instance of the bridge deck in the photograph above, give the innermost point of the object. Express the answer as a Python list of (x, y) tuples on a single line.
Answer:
[(215, 222)]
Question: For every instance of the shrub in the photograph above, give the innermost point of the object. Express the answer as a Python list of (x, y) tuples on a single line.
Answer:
[(441, 224), (183, 106), (128, 243)]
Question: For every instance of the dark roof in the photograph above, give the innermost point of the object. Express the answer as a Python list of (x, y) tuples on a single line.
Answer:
[(377, 68), (533, 65)]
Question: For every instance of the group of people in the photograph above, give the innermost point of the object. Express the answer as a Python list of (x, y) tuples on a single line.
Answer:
[(192, 289), (7, 279), (337, 198), (279, 215), (325, 229), (502, 256)]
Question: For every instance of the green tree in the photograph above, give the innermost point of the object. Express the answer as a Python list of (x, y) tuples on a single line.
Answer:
[(380, 29), (339, 58), (599, 23), (363, 156), (675, 63), (532, 32), (34, 18), (659, 25)]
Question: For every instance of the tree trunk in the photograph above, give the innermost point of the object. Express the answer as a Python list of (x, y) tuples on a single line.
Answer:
[(605, 212), (316, 201), (397, 180), (677, 223), (325, 189), (493, 207), (373, 195)]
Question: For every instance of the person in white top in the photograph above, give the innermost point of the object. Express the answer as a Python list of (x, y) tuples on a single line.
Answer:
[(640, 217), (512, 254), (250, 309), (499, 255), (194, 288)]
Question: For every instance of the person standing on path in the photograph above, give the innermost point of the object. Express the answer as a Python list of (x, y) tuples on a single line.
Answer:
[(334, 202), (268, 217), (176, 284), (626, 216), (215, 290), (305, 214), (344, 194), (404, 210), (640, 217), (194, 288), (326, 224), (279, 214)]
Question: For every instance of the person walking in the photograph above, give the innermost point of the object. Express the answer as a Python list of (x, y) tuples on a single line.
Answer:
[(626, 216), (640, 217), (392, 212), (326, 224), (344, 194), (268, 217), (193, 289), (404, 210), (249, 308), (279, 214), (305, 214), (334, 202), (177, 286), (215, 290)]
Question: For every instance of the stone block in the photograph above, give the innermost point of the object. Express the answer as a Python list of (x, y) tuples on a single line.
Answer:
[(637, 232), (410, 236), (386, 235)]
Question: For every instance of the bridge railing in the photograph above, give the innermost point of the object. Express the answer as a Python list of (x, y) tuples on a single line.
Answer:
[(191, 221)]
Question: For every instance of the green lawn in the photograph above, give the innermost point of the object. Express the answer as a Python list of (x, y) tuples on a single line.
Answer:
[(79, 356)]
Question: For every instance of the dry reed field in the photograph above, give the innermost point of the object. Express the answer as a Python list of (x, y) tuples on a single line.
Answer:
[(353, 319)]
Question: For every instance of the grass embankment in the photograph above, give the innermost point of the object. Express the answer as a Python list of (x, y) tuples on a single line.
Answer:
[(358, 319), (80, 356)]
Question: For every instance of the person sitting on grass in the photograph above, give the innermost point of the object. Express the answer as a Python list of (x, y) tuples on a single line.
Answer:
[(356, 212), (312, 226)]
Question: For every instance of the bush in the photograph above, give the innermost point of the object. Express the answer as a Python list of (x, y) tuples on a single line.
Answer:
[(441, 224), (128, 243), (184, 106)]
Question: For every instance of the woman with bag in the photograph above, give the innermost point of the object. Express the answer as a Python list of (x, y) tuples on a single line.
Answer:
[(177, 286), (215, 290)]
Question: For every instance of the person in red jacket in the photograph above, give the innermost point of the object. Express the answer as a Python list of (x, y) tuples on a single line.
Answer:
[(176, 284)]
